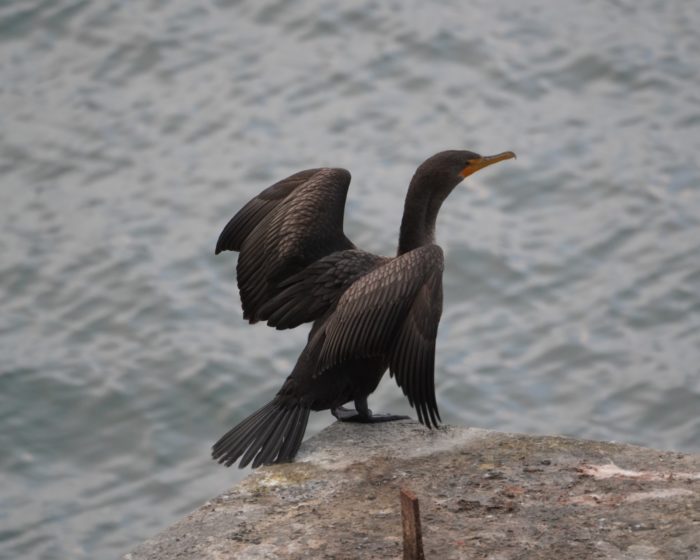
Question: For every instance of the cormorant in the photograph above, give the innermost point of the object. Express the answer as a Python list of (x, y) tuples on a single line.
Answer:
[(369, 312)]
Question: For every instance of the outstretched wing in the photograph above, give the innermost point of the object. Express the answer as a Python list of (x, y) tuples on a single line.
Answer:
[(394, 311), (243, 223), (286, 228), (412, 359)]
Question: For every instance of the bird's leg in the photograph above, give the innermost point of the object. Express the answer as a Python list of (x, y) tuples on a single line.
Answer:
[(344, 414), (367, 415), (363, 414)]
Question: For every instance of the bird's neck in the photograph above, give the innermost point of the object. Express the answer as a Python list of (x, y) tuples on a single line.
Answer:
[(426, 193)]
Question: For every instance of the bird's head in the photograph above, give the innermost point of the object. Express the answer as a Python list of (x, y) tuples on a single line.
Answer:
[(451, 167), (432, 183)]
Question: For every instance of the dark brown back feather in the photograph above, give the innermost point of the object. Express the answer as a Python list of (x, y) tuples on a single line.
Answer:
[(314, 291)]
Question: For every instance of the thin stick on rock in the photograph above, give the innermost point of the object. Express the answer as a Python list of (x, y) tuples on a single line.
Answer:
[(410, 518)]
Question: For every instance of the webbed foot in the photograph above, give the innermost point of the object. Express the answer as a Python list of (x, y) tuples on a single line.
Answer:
[(363, 415)]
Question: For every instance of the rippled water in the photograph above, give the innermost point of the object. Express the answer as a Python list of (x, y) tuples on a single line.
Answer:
[(131, 131)]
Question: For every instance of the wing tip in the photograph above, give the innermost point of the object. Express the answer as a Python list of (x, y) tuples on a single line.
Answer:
[(225, 243), (221, 244)]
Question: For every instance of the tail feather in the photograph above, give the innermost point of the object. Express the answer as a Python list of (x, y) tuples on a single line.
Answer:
[(272, 434), (265, 438), (244, 431), (276, 437), (291, 444), (234, 443)]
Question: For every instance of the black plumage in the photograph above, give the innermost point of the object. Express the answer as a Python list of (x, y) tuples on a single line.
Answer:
[(369, 313)]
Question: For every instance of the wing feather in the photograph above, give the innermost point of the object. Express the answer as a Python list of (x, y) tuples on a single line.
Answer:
[(394, 311), (286, 228), (412, 360), (243, 223), (309, 294), (371, 310)]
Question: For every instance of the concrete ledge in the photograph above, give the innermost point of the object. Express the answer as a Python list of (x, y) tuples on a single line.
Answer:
[(482, 494)]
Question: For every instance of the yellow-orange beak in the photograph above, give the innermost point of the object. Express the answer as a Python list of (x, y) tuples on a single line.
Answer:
[(485, 161)]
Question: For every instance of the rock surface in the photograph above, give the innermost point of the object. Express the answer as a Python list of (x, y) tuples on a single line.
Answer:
[(482, 494)]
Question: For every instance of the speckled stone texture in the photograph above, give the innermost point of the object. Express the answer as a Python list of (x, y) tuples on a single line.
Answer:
[(482, 494)]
